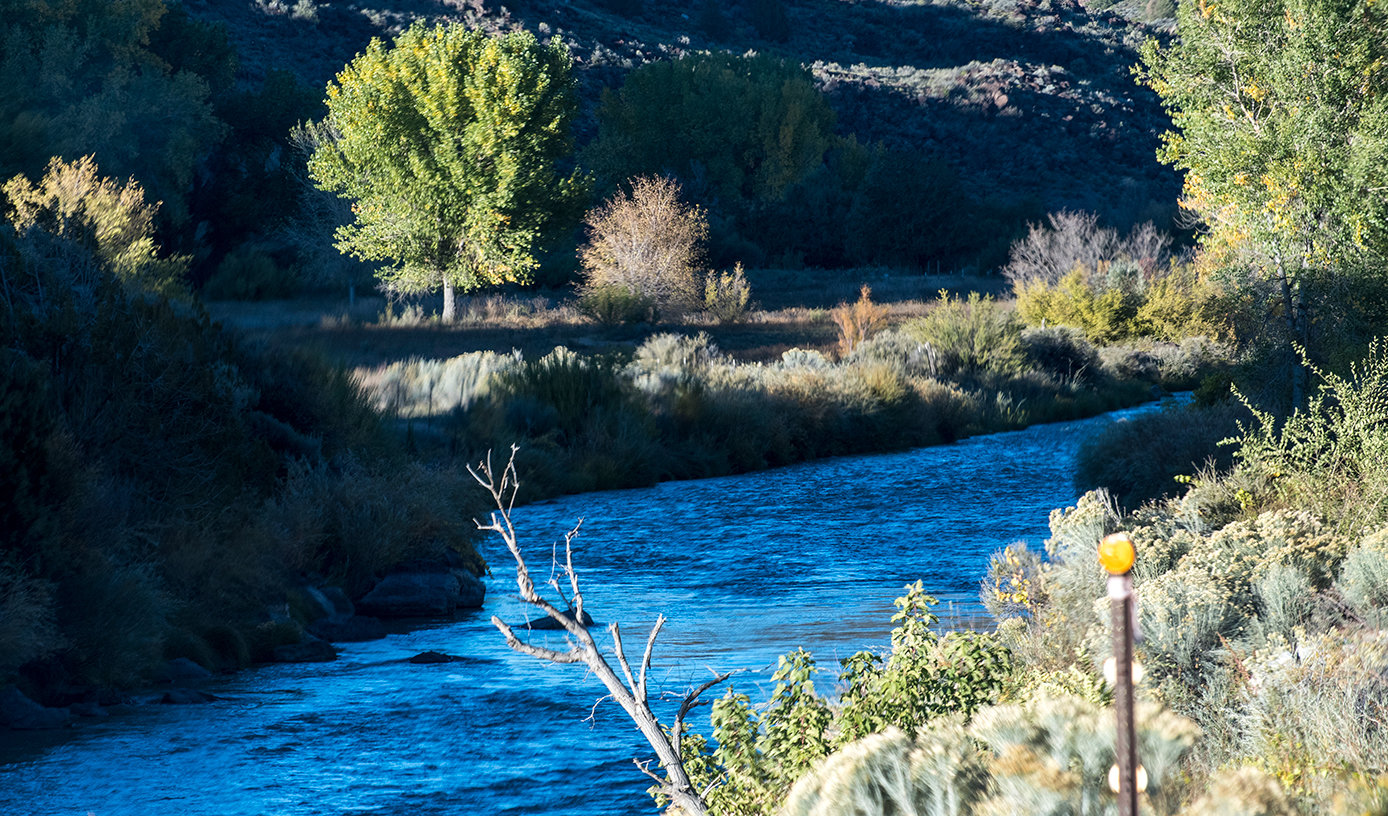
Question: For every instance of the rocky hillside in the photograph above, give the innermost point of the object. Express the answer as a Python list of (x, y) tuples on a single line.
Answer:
[(1031, 101)]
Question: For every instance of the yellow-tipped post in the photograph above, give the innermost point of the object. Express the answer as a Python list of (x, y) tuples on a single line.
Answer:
[(1117, 556)]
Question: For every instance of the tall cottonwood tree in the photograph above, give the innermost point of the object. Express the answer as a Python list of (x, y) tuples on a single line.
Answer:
[(448, 143), (1281, 115)]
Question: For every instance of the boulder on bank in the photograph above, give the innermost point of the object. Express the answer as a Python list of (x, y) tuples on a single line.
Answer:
[(347, 628), (471, 590), (423, 594), (22, 714)]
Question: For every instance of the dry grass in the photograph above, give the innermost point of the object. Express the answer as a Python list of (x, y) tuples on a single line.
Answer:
[(793, 312)]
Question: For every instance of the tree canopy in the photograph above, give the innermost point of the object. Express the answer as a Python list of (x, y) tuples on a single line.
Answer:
[(1281, 126), (127, 82), (448, 143), (745, 128), (1281, 114)]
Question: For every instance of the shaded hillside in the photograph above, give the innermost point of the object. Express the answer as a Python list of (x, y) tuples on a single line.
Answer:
[(1031, 101)]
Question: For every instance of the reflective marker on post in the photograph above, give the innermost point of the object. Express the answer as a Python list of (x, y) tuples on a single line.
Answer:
[(1117, 555)]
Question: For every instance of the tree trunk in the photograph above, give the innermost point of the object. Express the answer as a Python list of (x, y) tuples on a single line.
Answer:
[(450, 304), (1293, 305)]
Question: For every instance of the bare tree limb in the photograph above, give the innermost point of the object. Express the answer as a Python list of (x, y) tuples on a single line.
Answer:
[(571, 656), (622, 657), (689, 702), (631, 695), (646, 658), (645, 768)]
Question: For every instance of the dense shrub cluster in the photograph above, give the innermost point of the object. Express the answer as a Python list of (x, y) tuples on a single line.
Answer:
[(680, 409), (755, 755), (167, 483), (1261, 596), (1076, 273)]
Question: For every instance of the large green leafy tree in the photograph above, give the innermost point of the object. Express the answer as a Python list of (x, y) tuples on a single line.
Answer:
[(448, 143), (1281, 125)]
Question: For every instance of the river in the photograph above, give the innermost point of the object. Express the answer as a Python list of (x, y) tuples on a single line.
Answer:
[(746, 568)]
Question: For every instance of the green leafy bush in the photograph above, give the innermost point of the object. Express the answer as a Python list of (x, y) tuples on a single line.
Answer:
[(926, 676), (1332, 455), (249, 272), (1103, 315), (969, 335), (926, 680), (747, 126)]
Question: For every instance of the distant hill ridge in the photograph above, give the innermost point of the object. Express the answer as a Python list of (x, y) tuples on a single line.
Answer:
[(1031, 101)]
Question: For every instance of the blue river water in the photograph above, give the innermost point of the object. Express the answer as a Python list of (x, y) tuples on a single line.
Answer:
[(745, 568)]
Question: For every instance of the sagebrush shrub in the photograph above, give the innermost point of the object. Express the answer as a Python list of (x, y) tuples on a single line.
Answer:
[(727, 295), (425, 388), (615, 305), (1061, 351), (969, 335), (1048, 754), (1363, 579), (909, 355)]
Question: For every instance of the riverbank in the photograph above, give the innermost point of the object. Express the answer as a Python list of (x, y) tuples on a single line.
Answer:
[(676, 405), (745, 568)]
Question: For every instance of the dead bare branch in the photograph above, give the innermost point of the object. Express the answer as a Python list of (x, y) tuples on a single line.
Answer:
[(631, 695), (646, 658), (622, 657), (689, 702), (572, 656)]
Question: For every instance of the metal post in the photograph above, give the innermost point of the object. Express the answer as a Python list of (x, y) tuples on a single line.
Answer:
[(1117, 554), (1120, 592)]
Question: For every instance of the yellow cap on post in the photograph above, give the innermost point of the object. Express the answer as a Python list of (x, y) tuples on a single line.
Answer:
[(1117, 553)]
